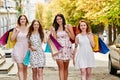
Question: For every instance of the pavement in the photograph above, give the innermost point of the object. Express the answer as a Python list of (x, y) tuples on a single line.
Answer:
[(51, 70)]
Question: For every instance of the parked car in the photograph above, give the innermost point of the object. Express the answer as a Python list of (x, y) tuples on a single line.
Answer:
[(114, 56)]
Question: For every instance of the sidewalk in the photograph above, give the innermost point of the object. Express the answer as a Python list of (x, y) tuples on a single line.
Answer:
[(51, 70)]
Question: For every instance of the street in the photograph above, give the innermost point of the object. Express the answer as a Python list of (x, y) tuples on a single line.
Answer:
[(51, 71)]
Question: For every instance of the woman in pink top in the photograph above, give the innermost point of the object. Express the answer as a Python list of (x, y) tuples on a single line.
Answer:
[(21, 46)]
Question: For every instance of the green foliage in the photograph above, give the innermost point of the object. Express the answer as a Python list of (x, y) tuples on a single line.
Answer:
[(97, 11), (97, 29), (48, 19), (39, 12), (19, 7)]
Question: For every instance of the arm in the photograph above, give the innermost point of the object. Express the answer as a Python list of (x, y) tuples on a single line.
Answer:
[(70, 32), (53, 32), (15, 33), (30, 46), (91, 39), (75, 49), (76, 46)]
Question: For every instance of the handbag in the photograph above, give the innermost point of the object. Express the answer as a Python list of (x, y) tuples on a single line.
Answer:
[(56, 43), (53, 49), (96, 40), (3, 39), (103, 48), (47, 48), (74, 30), (10, 44), (26, 60), (55, 46)]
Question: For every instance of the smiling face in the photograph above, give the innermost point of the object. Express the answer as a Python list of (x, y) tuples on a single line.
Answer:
[(22, 20), (59, 20), (83, 26), (36, 25)]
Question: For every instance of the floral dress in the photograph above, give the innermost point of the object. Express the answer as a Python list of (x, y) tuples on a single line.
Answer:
[(37, 58), (64, 40)]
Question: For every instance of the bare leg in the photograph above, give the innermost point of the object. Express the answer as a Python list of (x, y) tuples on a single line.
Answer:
[(25, 72), (40, 73), (88, 73), (34, 71), (20, 71), (66, 64), (61, 69), (83, 73)]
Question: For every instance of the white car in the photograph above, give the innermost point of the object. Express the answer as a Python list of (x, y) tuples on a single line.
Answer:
[(114, 56)]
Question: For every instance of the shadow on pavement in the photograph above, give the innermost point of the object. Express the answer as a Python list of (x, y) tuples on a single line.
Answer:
[(117, 75)]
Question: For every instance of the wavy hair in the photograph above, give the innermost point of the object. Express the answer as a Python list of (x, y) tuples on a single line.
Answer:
[(56, 25), (40, 30)]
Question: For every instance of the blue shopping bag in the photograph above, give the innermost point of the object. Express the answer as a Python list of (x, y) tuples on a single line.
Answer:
[(47, 48), (26, 60), (103, 48)]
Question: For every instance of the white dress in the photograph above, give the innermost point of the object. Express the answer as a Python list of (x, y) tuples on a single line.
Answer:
[(84, 57)]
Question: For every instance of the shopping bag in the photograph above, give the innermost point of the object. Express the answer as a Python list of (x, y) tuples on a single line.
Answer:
[(96, 40), (74, 30), (47, 48), (53, 49), (3, 39), (26, 60), (55, 42), (10, 44), (103, 48)]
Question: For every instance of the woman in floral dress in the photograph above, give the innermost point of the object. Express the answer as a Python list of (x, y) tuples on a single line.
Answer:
[(37, 56), (62, 33)]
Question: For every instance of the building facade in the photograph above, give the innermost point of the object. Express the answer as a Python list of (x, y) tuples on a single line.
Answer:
[(8, 15), (29, 7)]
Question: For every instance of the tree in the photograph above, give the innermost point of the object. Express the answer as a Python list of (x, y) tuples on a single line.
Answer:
[(39, 12)]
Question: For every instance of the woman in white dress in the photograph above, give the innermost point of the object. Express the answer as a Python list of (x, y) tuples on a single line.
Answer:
[(83, 58)]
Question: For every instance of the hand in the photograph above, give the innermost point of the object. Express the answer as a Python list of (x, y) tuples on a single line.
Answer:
[(90, 36), (33, 48), (17, 30)]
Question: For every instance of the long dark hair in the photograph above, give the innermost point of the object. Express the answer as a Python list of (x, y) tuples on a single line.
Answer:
[(40, 30), (56, 25), (18, 21)]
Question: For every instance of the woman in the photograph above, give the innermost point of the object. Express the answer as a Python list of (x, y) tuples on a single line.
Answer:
[(62, 33), (37, 56), (21, 46), (84, 57)]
